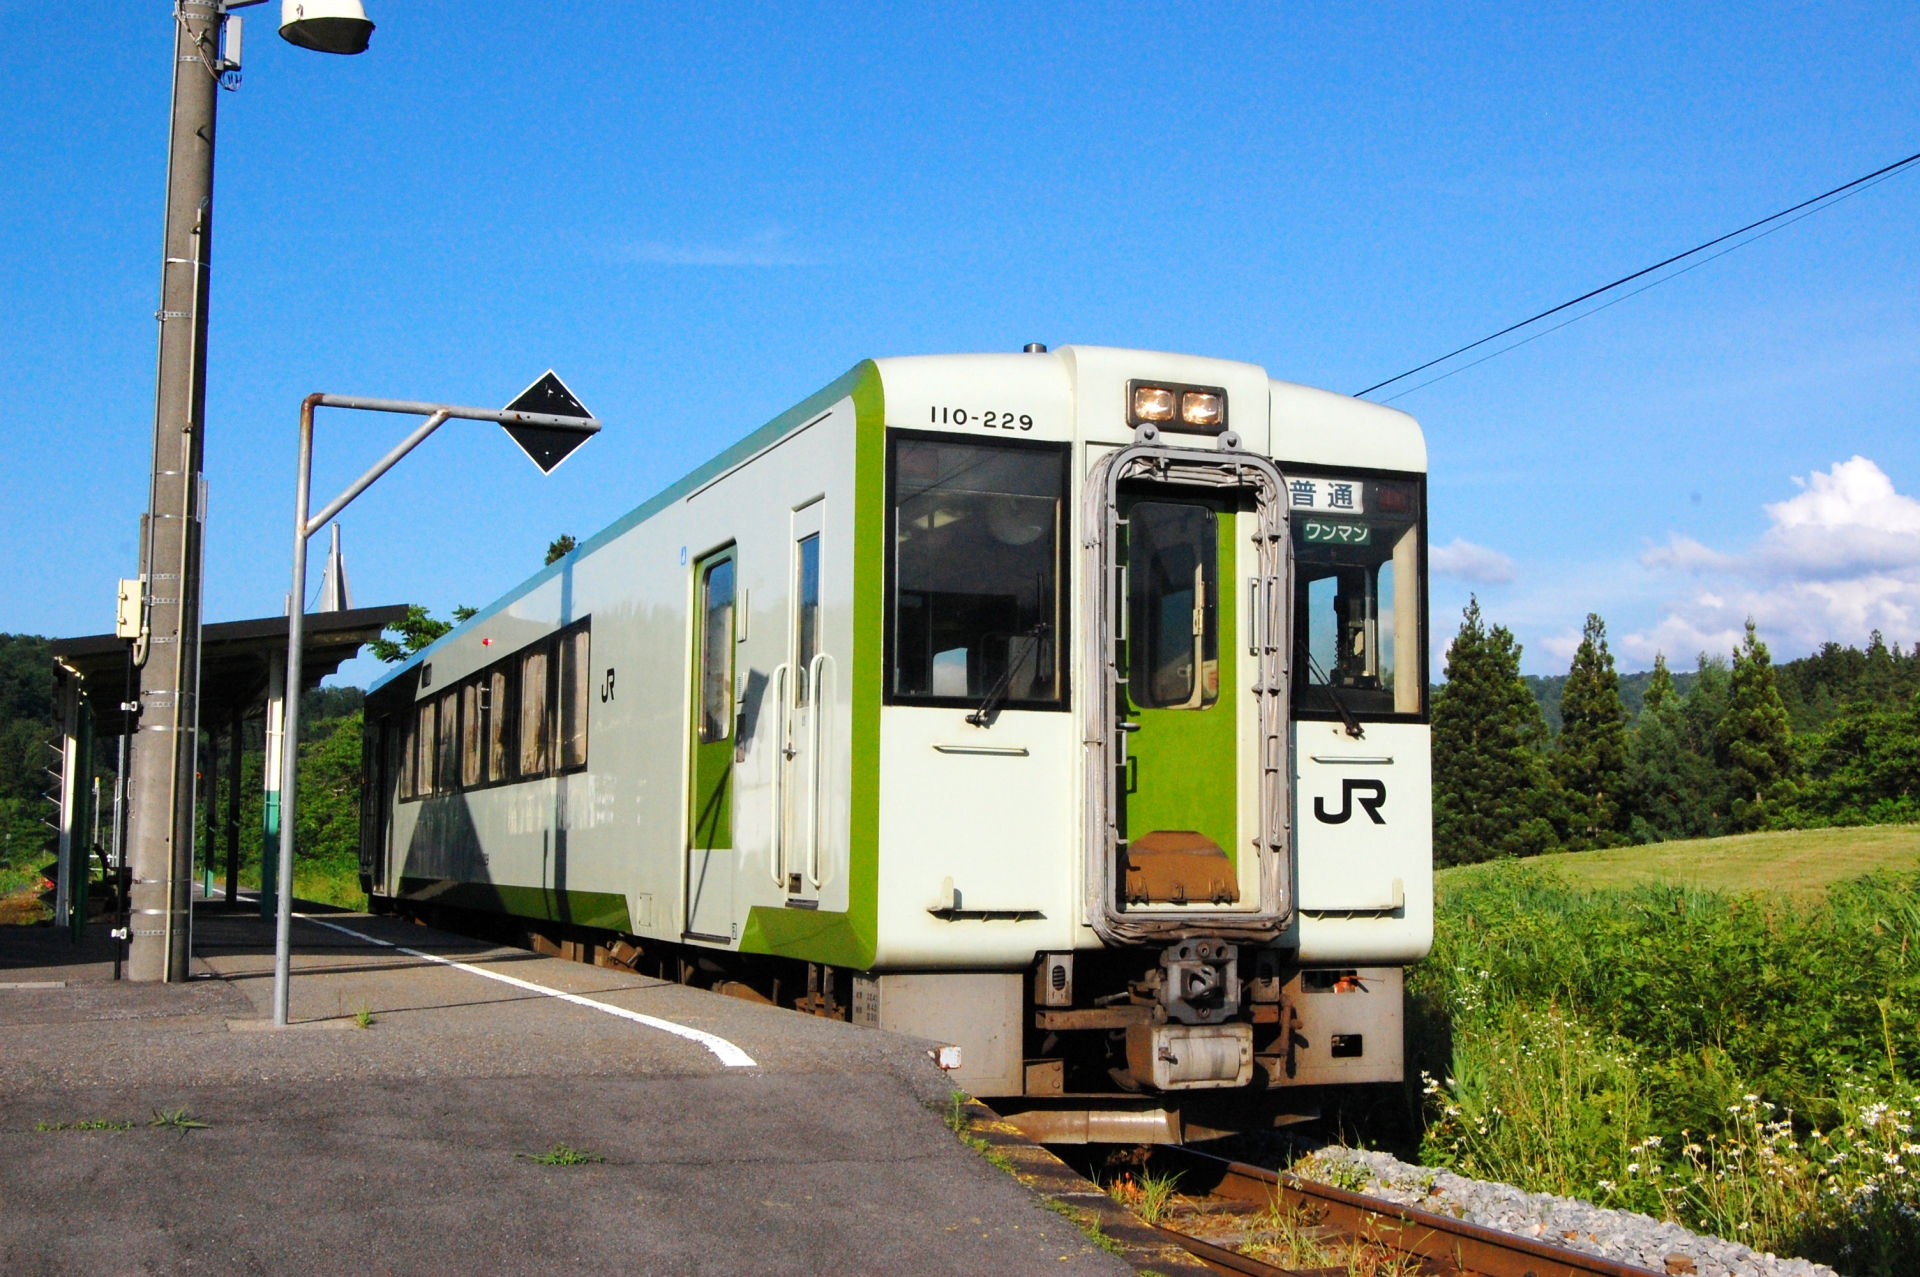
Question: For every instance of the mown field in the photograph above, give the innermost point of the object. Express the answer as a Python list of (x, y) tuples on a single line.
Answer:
[(1796, 861), (1725, 1032)]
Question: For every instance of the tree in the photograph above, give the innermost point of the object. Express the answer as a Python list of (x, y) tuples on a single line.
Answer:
[(562, 546), (327, 835), (1492, 795), (416, 630), (1864, 769), (1673, 788), (1755, 742), (1590, 762)]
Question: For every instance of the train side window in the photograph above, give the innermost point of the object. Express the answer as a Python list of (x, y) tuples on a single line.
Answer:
[(423, 769), (404, 770), (807, 615), (574, 682), (975, 607), (716, 653), (445, 777), (472, 725), (498, 711), (533, 713)]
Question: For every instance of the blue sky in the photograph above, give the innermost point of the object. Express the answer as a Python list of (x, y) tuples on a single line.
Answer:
[(699, 217)]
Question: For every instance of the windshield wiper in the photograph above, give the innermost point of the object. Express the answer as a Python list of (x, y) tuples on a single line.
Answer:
[(1339, 706), (997, 694)]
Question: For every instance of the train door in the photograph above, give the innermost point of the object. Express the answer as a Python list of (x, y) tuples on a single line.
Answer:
[(806, 690), (1179, 808), (710, 860)]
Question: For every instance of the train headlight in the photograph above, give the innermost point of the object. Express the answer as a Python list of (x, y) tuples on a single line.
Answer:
[(1201, 408), (1152, 403), (1169, 405)]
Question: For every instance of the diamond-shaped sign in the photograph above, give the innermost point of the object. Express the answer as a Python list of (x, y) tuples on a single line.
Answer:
[(546, 446)]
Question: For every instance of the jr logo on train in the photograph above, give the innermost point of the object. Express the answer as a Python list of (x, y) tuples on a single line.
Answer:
[(1066, 707)]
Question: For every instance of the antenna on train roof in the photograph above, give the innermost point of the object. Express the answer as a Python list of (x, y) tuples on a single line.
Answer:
[(1036, 348)]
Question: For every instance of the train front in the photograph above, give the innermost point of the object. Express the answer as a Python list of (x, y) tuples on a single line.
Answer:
[(1155, 804)]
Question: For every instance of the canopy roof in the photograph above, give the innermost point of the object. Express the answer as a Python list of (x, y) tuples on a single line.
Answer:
[(234, 660)]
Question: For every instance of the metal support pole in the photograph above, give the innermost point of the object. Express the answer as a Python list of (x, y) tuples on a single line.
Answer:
[(70, 782), (290, 740), (436, 415), (211, 768), (160, 843)]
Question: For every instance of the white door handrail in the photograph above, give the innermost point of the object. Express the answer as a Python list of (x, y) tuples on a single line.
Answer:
[(817, 692), (782, 747)]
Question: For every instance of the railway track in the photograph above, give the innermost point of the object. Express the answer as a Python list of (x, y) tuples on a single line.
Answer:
[(1229, 1217)]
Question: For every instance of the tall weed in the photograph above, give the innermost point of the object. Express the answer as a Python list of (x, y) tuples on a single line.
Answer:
[(1540, 1099)]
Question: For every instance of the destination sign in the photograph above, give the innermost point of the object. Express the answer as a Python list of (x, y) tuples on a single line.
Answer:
[(1335, 496)]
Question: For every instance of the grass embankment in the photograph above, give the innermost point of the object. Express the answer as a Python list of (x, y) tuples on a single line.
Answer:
[(323, 884), (1723, 1032)]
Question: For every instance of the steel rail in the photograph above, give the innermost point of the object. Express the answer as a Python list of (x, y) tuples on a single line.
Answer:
[(1446, 1243)]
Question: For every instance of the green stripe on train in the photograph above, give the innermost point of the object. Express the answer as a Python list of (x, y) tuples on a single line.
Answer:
[(601, 909)]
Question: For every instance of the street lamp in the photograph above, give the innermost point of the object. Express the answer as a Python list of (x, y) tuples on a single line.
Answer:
[(326, 26), (166, 629), (547, 437)]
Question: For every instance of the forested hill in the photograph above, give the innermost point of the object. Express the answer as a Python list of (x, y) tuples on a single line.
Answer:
[(1813, 688), (1546, 689)]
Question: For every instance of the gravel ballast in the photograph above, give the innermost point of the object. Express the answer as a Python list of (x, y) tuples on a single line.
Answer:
[(1620, 1235)]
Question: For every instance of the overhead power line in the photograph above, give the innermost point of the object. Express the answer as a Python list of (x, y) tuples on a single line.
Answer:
[(1809, 207)]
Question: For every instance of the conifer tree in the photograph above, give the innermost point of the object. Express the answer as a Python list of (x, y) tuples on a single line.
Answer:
[(1755, 743), (1674, 788), (1590, 763), (1660, 687), (1492, 795)]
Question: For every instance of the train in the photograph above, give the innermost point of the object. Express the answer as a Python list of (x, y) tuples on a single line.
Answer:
[(1067, 707)]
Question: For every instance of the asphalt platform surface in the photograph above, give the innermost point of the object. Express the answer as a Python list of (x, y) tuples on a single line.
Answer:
[(404, 1146)]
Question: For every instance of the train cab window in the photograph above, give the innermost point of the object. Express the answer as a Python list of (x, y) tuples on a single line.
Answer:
[(1173, 584), (807, 614), (498, 710), (716, 652), (574, 681), (423, 769), (472, 725), (444, 773), (533, 714), (1358, 618), (975, 609)]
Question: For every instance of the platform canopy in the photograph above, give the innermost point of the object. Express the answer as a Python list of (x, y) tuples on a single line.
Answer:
[(235, 657)]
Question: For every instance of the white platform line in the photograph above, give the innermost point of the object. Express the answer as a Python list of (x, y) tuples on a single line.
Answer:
[(727, 1053)]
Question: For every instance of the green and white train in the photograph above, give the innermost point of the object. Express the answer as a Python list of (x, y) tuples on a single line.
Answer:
[(1068, 707)]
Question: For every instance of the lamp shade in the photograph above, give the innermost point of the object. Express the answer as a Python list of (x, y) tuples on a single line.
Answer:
[(328, 26)]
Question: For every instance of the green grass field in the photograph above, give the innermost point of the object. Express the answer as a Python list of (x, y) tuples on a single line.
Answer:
[(1798, 861)]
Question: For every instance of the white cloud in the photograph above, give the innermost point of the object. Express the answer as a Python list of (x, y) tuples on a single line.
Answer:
[(1840, 559), (1469, 562), (768, 248), (1562, 645)]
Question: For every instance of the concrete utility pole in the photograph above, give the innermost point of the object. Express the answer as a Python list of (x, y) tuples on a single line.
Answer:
[(167, 651)]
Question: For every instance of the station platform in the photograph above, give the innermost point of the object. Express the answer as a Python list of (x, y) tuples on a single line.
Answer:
[(720, 1136)]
